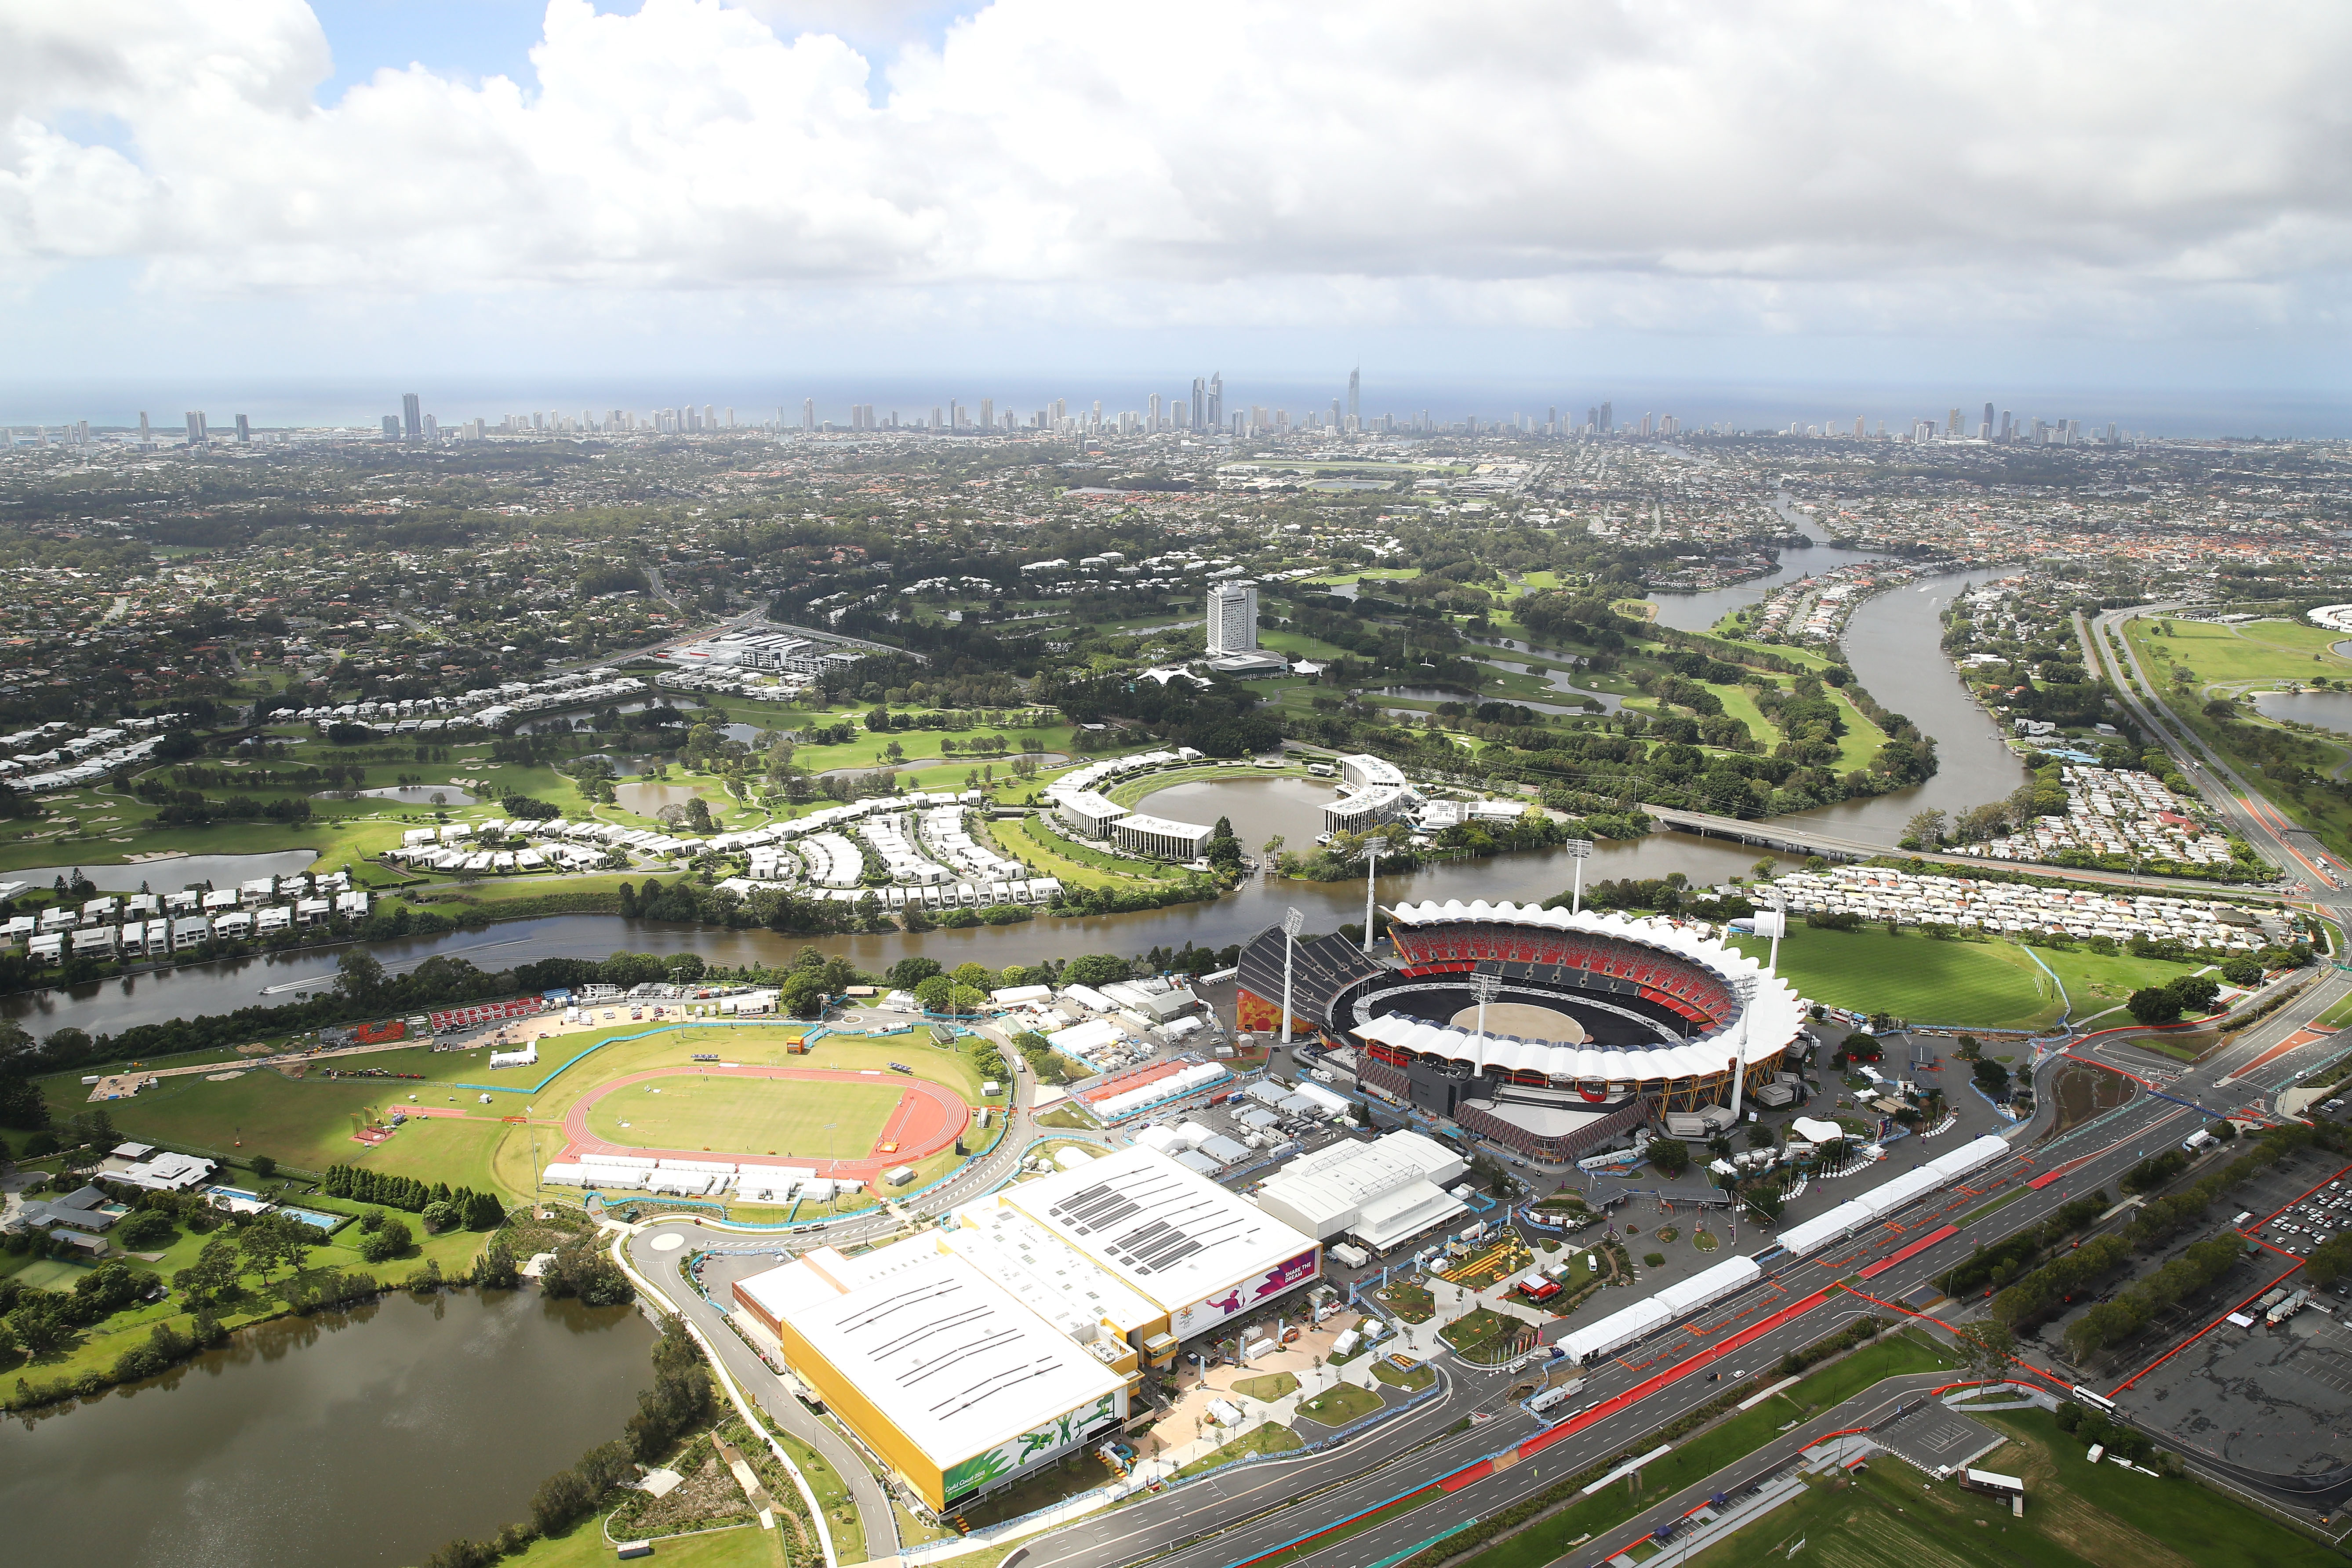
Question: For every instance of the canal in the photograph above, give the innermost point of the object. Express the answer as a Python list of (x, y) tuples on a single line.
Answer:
[(369, 1436)]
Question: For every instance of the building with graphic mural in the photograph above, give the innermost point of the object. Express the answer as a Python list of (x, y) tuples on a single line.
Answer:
[(973, 1355)]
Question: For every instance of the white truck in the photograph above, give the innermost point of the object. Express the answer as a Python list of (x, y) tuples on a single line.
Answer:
[(1354, 1256)]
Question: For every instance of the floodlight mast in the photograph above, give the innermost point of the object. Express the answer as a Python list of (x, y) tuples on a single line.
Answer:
[(1371, 885), (1483, 987), (1292, 922), (1579, 850)]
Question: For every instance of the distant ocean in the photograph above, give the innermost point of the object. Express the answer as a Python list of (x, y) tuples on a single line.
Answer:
[(2156, 412)]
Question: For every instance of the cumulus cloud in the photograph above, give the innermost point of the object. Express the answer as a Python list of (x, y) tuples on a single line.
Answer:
[(1557, 163)]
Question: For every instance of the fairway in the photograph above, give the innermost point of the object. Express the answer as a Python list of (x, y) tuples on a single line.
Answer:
[(785, 1118)]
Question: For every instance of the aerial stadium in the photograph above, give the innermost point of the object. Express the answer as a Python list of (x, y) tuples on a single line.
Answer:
[(1593, 1022)]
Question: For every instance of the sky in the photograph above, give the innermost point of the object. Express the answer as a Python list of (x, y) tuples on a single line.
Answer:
[(1821, 206)]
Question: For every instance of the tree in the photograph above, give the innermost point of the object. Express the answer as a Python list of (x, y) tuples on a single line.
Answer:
[(935, 993), (2153, 1005), (910, 972), (1095, 969), (387, 1241), (1926, 827), (975, 976), (1986, 1349), (1670, 1155), (2244, 970), (265, 1166), (1970, 1048), (359, 976), (212, 1277), (804, 994)]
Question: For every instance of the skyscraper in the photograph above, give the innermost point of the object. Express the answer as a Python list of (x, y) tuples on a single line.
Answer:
[(146, 437), (391, 427), (1355, 393), (1154, 414), (1984, 431), (808, 413), (988, 414), (1216, 397), (196, 428), (1233, 619), (243, 431), (1200, 404), (411, 417), (1608, 420)]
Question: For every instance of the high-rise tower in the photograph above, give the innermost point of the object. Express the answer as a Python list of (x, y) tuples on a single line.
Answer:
[(1356, 393), (411, 417)]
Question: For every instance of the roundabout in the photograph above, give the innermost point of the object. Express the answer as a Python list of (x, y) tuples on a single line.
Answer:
[(853, 1124)]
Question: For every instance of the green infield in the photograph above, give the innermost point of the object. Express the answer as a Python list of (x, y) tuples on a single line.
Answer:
[(1989, 985), (2251, 652), (792, 1117)]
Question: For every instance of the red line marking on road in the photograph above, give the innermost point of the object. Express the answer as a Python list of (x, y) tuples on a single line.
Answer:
[(2045, 1178), (2203, 1332), (2292, 1042), (1916, 1247), (1640, 1390)]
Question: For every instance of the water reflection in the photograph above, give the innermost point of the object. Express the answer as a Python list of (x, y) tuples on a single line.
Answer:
[(367, 1436)]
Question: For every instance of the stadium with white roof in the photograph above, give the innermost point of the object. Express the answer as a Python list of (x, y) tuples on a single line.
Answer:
[(1594, 1021)]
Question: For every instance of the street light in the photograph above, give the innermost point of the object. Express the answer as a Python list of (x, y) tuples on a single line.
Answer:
[(1579, 850), (1292, 922)]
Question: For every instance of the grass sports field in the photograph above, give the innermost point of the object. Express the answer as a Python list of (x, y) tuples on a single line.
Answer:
[(781, 1116), (311, 1122), (2255, 652), (1991, 985)]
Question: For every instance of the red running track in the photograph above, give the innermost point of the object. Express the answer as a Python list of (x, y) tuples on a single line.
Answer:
[(928, 1117)]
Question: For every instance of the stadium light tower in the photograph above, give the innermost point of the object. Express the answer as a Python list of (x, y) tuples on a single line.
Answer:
[(1579, 850), (1773, 923), (1484, 987), (1371, 880), (1744, 989), (1292, 921)]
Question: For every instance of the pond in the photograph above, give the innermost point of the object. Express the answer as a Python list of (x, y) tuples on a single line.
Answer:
[(647, 799), (369, 1436), (413, 794), (171, 873), (2327, 709)]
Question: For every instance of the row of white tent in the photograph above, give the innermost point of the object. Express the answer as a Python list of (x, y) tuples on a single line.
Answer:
[(1675, 1303), (753, 1183)]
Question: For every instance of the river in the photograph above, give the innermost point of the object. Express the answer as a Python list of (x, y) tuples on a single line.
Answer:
[(1699, 612), (363, 1437), (1893, 644)]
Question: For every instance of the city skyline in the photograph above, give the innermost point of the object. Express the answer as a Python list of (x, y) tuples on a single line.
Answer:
[(214, 200)]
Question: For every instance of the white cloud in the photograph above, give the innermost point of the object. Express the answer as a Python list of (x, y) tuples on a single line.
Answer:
[(1796, 166)]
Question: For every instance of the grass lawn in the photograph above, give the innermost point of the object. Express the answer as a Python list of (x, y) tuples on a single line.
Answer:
[(2335, 1017), (2075, 1512), (735, 1116), (2252, 651), (1268, 1387), (1265, 1438), (1861, 739), (1031, 840), (749, 1547), (1701, 1456), (2094, 981), (1340, 1404), (1412, 1382), (1740, 702), (1408, 1300), (1066, 1116), (1914, 976)]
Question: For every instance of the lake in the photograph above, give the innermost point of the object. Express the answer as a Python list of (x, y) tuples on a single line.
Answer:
[(369, 1436), (2327, 709), (175, 872)]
